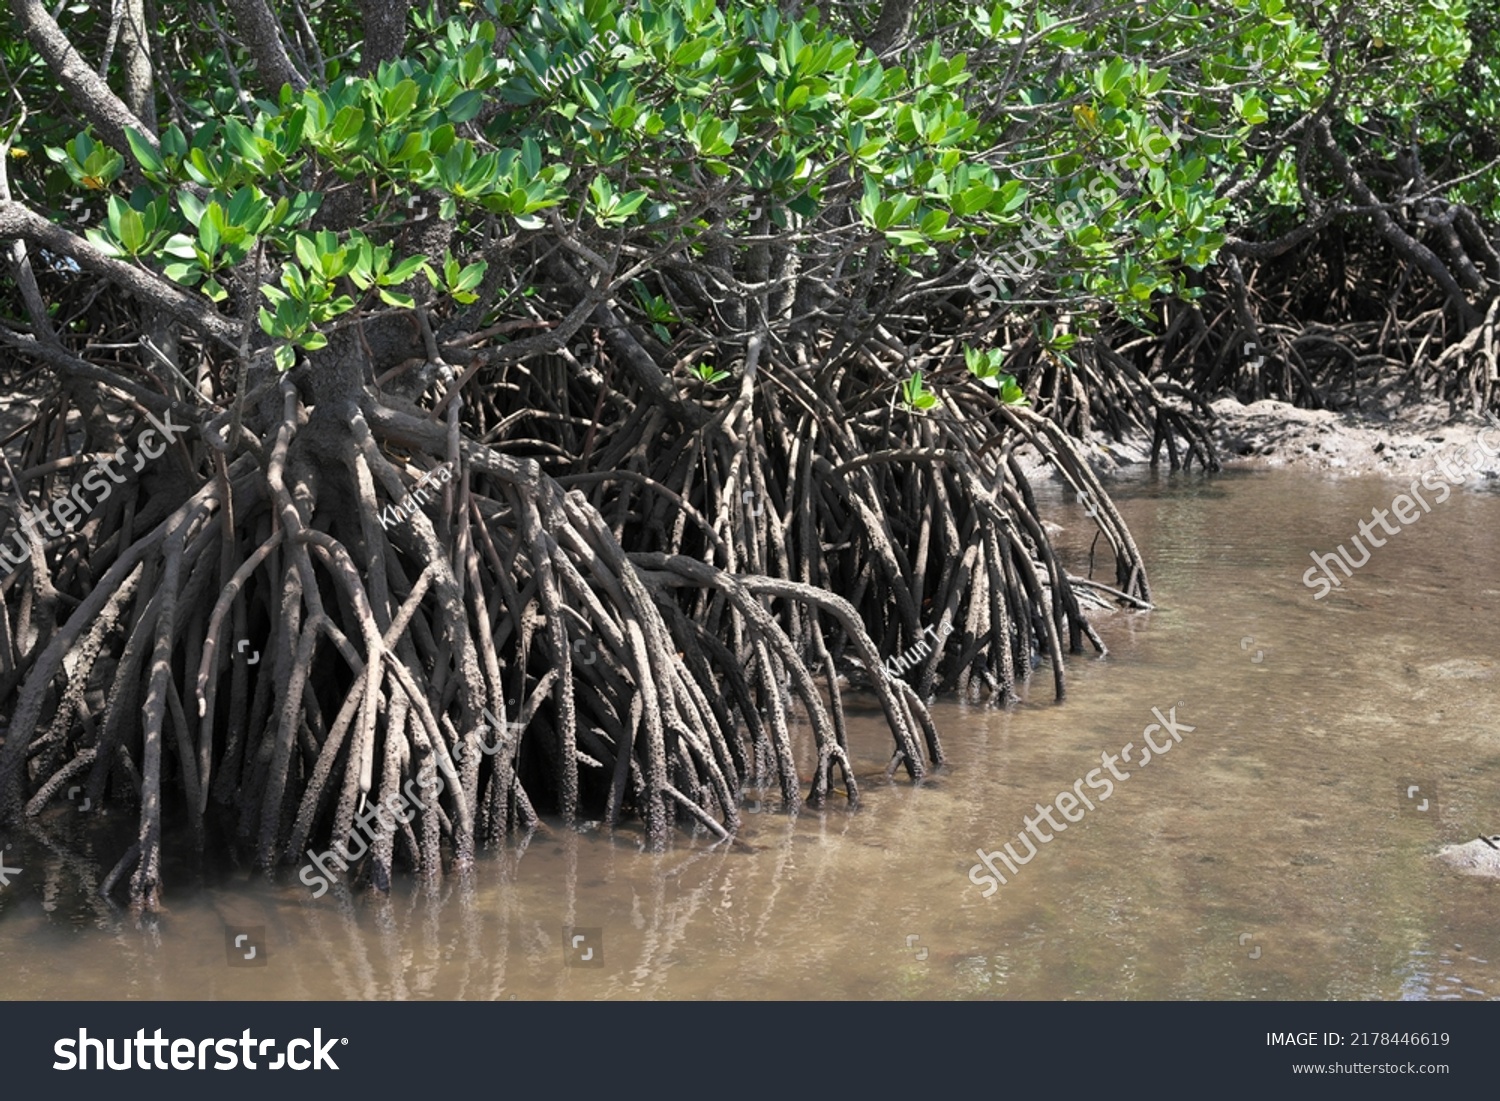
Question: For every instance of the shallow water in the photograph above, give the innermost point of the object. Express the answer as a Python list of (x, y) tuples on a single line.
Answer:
[(1271, 853)]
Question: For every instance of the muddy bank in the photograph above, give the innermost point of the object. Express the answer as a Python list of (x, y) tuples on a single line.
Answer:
[(1274, 434)]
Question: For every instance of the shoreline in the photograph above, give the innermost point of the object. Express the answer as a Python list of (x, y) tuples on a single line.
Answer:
[(1270, 434)]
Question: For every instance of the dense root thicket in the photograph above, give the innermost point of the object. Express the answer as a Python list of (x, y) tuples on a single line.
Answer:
[(546, 585), (1370, 342), (1387, 291)]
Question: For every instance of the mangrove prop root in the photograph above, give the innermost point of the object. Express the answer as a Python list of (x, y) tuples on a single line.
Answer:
[(431, 643)]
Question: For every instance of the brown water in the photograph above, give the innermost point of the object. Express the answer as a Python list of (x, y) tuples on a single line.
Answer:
[(1272, 853)]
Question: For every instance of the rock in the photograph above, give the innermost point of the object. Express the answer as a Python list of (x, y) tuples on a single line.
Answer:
[(1472, 858)]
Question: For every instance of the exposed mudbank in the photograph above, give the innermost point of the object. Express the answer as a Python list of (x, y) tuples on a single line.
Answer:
[(1273, 433)]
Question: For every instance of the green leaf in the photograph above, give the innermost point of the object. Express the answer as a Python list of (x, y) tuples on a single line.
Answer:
[(464, 107), (403, 271), (441, 140), (307, 252), (399, 101), (470, 277), (191, 206), (149, 161), (211, 227), (346, 126), (185, 273), (132, 231)]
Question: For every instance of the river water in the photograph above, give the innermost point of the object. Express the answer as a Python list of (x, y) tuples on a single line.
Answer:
[(1282, 848)]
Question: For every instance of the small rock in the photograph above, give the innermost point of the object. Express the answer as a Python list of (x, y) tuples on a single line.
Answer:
[(1472, 858)]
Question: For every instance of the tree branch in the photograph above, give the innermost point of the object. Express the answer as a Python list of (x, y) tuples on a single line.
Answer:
[(17, 221), (1404, 243), (92, 95), (892, 26), (262, 34), (385, 31)]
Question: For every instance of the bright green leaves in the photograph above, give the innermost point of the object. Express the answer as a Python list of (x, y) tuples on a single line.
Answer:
[(610, 208), (134, 228), (936, 117), (943, 72), (399, 122), (145, 154), (308, 294), (226, 229), (396, 102), (710, 136), (459, 282), (905, 220), (880, 212), (1106, 79), (372, 267), (1251, 108), (321, 254), (985, 366), (88, 164), (915, 395), (1004, 20), (706, 372), (344, 132), (223, 156), (506, 181)]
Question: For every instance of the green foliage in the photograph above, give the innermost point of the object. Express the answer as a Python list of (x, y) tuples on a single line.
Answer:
[(658, 311), (88, 164), (372, 267), (985, 366), (651, 127), (706, 372), (458, 281), (915, 395)]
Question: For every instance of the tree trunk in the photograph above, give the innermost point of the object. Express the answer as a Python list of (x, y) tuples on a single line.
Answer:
[(385, 31)]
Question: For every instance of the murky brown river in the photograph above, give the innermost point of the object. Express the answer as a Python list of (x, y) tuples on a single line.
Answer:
[(1273, 852)]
